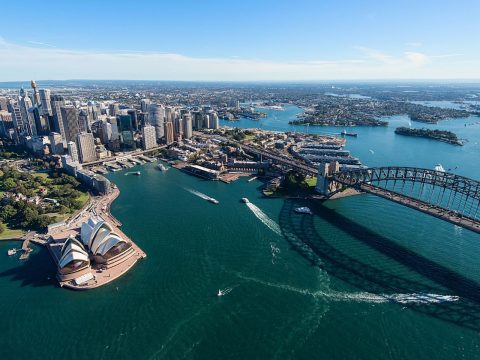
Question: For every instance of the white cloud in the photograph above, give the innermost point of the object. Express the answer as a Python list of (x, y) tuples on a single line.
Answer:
[(40, 43), (20, 62)]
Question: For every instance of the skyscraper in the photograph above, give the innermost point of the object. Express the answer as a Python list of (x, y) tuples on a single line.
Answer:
[(126, 132), (156, 115), (133, 115), (70, 122), (72, 151), (27, 114), (83, 123), (149, 137), (6, 122), (169, 132), (214, 121), (178, 129), (56, 143), (45, 108), (187, 126), (144, 105), (86, 147), (113, 109), (56, 103)]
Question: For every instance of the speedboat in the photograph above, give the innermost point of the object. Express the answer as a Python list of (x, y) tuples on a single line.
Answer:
[(303, 210), (213, 201), (245, 200), (220, 293), (137, 173), (11, 252), (161, 167)]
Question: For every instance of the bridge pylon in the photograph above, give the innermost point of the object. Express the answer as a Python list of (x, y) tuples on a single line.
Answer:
[(325, 185)]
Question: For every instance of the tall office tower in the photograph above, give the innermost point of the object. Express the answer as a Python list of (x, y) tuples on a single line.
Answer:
[(6, 122), (106, 132), (41, 123), (46, 109), (86, 147), (3, 103), (83, 121), (56, 143), (187, 126), (214, 124), (113, 109), (149, 137), (178, 129), (144, 105), (197, 120), (126, 132), (56, 103), (206, 121), (27, 114), (156, 117), (72, 151), (36, 96), (169, 132), (113, 121), (70, 122), (142, 119), (133, 115), (17, 118), (169, 114), (93, 112)]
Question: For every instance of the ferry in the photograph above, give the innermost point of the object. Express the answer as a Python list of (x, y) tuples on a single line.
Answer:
[(439, 167), (213, 201), (345, 133), (303, 210), (245, 200), (161, 167), (11, 252)]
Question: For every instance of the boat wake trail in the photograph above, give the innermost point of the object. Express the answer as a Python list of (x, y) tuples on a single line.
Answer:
[(272, 225), (198, 193), (365, 297)]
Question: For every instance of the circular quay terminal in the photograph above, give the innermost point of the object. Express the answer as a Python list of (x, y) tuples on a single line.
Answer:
[(240, 180)]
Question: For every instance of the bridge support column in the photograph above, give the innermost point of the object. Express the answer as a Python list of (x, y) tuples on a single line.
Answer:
[(325, 170)]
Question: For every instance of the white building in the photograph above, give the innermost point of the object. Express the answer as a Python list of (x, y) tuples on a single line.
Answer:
[(73, 152), (187, 126), (149, 137)]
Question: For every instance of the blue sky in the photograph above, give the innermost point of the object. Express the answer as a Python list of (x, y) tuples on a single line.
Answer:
[(240, 40)]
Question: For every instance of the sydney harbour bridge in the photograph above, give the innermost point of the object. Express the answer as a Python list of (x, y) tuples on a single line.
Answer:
[(445, 195)]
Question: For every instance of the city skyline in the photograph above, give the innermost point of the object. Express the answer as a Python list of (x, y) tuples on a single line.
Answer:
[(248, 41)]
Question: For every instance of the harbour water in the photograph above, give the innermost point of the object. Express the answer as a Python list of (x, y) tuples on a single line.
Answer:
[(363, 278)]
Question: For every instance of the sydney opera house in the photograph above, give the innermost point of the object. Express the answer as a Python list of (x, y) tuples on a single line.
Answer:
[(98, 254)]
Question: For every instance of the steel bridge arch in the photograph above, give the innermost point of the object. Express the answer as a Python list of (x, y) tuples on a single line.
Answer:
[(450, 181)]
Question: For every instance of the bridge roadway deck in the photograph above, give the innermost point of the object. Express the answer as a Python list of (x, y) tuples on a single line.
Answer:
[(422, 206)]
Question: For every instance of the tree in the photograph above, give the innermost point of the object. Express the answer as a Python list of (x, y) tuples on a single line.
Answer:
[(9, 184), (8, 212)]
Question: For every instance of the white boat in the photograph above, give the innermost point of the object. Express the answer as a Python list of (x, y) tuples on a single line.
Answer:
[(213, 201), (439, 167), (220, 293), (245, 200), (11, 252), (161, 167), (303, 210)]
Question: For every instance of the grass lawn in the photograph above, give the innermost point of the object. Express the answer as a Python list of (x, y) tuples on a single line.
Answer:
[(311, 181), (83, 198), (249, 137), (9, 233)]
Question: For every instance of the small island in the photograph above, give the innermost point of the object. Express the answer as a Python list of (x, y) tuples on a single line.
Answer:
[(439, 135)]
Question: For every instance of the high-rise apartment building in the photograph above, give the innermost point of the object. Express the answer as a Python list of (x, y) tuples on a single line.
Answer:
[(149, 137), (86, 147)]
